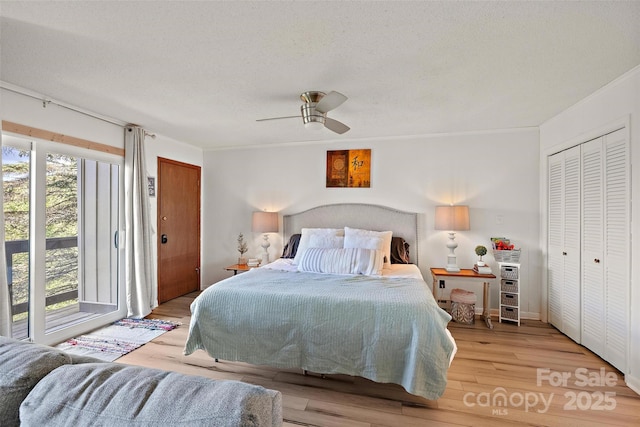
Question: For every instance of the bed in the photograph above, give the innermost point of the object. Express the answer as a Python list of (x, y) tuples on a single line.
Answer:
[(332, 309)]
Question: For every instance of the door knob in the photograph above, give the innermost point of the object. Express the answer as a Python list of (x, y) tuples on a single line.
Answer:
[(564, 253), (163, 239), (596, 260)]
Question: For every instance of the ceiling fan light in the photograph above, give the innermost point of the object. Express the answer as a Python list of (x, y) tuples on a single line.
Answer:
[(314, 125), (311, 118)]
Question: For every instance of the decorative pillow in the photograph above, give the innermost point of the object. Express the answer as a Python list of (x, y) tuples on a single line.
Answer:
[(354, 237), (306, 235), (365, 242), (326, 241), (367, 262), (399, 251), (291, 248)]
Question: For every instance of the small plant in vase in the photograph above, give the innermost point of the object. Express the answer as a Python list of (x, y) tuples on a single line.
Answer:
[(480, 251), (242, 248)]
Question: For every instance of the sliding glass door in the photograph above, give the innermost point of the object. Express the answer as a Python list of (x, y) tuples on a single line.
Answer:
[(16, 177), (68, 223)]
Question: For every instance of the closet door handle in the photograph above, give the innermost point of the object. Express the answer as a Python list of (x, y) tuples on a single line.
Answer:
[(596, 260), (564, 253)]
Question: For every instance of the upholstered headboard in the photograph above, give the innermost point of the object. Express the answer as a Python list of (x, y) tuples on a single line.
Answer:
[(357, 215)]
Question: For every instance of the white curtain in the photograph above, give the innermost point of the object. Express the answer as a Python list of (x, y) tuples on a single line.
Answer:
[(5, 301), (142, 288)]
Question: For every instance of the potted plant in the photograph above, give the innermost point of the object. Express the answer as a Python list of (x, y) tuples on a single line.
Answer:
[(242, 248), (480, 251)]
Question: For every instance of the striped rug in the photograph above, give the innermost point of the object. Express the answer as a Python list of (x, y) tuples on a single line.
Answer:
[(116, 340)]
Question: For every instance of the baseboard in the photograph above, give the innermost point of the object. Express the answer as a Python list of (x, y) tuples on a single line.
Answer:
[(529, 315), (633, 383)]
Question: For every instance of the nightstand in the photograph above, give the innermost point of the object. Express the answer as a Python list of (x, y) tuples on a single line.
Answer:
[(470, 275), (238, 267)]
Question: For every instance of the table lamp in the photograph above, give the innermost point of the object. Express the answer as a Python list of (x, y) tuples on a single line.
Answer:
[(452, 218), (265, 222)]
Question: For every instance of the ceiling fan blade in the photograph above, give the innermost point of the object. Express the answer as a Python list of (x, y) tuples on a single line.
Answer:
[(335, 126), (278, 118), (330, 101)]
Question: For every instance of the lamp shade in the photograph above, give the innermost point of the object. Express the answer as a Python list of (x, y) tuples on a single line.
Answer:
[(264, 222), (452, 218)]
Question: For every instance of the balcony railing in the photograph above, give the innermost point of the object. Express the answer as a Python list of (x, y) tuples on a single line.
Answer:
[(22, 246)]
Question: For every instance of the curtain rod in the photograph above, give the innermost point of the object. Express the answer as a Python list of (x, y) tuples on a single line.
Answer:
[(46, 100), (130, 127)]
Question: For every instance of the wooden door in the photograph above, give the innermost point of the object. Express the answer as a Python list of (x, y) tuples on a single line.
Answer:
[(178, 229)]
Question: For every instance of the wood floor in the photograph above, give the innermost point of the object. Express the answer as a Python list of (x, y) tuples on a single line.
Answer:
[(489, 365)]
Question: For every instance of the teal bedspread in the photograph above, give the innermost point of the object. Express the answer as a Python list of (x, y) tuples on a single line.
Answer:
[(389, 330)]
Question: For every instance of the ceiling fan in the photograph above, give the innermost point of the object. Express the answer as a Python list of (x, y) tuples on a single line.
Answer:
[(315, 108)]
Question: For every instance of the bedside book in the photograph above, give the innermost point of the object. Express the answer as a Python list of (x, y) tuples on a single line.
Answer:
[(485, 269)]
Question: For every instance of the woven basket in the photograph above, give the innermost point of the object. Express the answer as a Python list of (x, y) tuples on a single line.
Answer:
[(510, 313), (507, 256), (508, 299), (509, 285), (509, 272)]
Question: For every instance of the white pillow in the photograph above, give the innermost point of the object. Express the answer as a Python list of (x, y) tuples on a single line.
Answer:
[(326, 241), (365, 242), (305, 236), (367, 262), (358, 238)]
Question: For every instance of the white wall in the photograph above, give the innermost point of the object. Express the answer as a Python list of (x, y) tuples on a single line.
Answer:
[(30, 112), (616, 102), (495, 173)]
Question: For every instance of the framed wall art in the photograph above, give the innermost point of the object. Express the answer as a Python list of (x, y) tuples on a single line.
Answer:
[(349, 168), (151, 186)]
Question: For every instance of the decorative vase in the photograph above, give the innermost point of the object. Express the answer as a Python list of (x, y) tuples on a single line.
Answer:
[(480, 263), (242, 261)]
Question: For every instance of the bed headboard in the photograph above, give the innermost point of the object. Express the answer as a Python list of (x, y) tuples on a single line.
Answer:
[(357, 215)]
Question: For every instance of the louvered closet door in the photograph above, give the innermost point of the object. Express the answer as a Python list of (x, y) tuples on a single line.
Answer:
[(571, 242), (564, 242), (555, 271), (593, 295), (617, 244)]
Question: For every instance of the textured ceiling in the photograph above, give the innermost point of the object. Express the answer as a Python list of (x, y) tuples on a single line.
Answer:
[(203, 72)]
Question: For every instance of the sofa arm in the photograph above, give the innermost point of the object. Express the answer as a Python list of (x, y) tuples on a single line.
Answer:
[(111, 394), (22, 365)]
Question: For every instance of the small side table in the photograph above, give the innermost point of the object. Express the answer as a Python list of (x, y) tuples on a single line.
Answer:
[(469, 274), (237, 267)]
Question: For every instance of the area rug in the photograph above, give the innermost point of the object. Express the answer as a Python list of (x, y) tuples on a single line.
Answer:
[(117, 339)]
